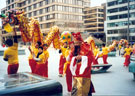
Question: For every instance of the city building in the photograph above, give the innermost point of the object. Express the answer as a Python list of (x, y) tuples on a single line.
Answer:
[(0, 35), (94, 21), (120, 20), (66, 14)]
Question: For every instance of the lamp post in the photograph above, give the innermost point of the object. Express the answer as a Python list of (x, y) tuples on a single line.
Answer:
[(128, 21)]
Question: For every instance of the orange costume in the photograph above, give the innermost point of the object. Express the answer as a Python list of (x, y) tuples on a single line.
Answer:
[(105, 54), (62, 60), (127, 56), (12, 55), (32, 62), (96, 52)]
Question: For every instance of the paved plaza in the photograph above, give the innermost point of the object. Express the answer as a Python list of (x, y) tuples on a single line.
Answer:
[(116, 82)]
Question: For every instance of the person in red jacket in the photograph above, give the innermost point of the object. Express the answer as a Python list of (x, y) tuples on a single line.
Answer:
[(81, 59)]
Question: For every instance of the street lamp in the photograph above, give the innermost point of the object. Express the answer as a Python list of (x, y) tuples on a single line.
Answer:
[(128, 21)]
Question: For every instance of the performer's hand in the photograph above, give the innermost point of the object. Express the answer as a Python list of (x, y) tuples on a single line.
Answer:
[(79, 57), (30, 50), (14, 32)]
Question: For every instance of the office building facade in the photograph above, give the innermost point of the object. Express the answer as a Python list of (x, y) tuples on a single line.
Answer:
[(120, 20), (94, 21)]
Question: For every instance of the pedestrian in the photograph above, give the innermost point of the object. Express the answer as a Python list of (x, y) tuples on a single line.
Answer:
[(105, 53), (127, 54), (96, 55), (11, 54), (119, 49)]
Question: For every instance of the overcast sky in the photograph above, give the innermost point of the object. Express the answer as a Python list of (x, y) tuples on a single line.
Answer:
[(93, 3), (97, 2)]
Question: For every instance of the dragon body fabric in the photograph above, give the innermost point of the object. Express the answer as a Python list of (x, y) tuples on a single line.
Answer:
[(30, 28)]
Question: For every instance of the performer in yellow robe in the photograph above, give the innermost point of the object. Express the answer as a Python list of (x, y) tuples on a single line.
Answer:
[(128, 51), (34, 49), (96, 53), (67, 67), (11, 54), (46, 54), (105, 53), (62, 58), (40, 62)]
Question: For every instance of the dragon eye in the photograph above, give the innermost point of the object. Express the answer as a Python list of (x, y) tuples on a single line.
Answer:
[(63, 38), (69, 37)]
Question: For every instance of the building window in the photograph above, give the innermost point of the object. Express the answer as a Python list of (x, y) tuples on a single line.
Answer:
[(35, 13), (25, 10), (46, 2), (41, 26), (122, 23), (24, 3), (8, 7), (123, 8), (29, 8), (113, 10), (40, 4), (132, 30), (35, 6), (29, 1), (40, 19), (12, 5), (41, 11), (30, 14), (8, 1), (47, 9), (131, 7)]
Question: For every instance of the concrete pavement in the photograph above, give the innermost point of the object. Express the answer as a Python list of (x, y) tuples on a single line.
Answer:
[(117, 81)]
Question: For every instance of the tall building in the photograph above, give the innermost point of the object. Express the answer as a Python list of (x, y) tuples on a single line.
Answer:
[(0, 36), (94, 21), (120, 20), (67, 14)]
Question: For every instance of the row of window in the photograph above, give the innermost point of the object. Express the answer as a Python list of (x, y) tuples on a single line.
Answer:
[(94, 16), (11, 6), (122, 16), (69, 24), (59, 16), (124, 8), (94, 11), (121, 31), (9, 1), (55, 8), (117, 2), (122, 23), (61, 24), (99, 25), (99, 30), (131, 38), (74, 2), (99, 20)]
